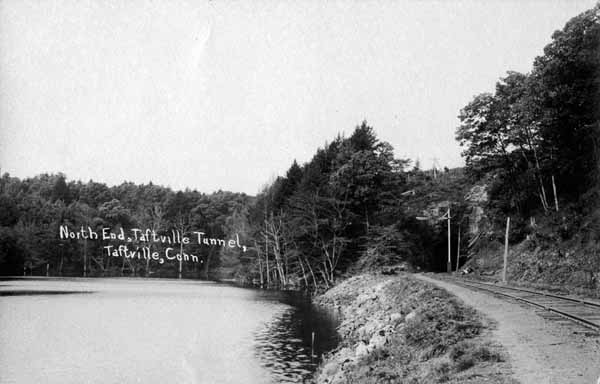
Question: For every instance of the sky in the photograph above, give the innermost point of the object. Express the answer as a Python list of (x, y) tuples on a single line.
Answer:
[(225, 95)]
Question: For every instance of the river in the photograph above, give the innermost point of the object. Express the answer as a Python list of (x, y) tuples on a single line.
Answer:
[(156, 331)]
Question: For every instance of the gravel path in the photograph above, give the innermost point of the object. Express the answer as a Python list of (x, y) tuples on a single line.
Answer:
[(541, 351)]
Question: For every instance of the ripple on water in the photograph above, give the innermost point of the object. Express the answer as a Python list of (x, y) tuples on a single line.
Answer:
[(281, 351)]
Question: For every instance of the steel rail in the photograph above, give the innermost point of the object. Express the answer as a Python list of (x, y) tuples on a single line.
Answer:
[(566, 298), (569, 316)]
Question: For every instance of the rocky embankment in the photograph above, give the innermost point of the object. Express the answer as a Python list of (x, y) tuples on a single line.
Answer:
[(396, 329)]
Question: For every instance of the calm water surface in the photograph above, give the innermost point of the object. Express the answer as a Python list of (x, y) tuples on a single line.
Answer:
[(156, 331)]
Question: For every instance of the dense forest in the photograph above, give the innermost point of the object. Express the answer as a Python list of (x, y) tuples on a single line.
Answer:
[(32, 211), (348, 204), (535, 143), (531, 149)]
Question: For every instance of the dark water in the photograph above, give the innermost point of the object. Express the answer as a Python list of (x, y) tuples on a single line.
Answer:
[(156, 331), (292, 343)]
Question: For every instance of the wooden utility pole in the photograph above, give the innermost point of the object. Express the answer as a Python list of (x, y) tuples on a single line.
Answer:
[(505, 250), (458, 249), (449, 265)]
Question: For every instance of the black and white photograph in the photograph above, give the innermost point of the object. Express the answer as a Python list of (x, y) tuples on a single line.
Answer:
[(303, 192)]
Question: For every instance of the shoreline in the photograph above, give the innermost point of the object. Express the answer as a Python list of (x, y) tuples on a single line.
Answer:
[(400, 329)]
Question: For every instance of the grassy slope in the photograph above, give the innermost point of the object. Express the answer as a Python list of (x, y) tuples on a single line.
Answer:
[(559, 254), (400, 330), (554, 267)]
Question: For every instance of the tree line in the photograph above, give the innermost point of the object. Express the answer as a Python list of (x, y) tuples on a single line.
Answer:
[(537, 136), (32, 211), (352, 206)]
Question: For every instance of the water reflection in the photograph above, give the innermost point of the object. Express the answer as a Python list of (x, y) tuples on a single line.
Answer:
[(155, 332), (33, 293), (291, 345)]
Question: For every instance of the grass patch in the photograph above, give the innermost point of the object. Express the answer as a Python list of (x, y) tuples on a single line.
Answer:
[(465, 354)]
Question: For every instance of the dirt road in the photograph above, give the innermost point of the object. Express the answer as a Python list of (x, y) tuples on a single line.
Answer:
[(541, 351)]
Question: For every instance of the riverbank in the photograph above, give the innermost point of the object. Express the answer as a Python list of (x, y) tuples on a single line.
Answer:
[(397, 329)]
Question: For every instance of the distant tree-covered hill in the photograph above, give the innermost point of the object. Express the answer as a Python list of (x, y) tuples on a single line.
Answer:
[(33, 210)]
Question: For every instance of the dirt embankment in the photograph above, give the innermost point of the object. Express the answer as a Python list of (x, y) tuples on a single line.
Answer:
[(396, 329)]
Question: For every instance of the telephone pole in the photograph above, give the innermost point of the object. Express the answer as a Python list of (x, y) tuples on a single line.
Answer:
[(458, 248), (505, 250), (449, 265)]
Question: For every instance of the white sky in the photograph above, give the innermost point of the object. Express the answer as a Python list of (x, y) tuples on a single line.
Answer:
[(224, 95)]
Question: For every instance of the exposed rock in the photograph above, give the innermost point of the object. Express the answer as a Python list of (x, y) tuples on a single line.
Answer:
[(379, 287), (377, 341), (476, 199), (331, 368), (361, 350), (345, 355), (411, 316), (364, 297), (339, 378), (371, 328)]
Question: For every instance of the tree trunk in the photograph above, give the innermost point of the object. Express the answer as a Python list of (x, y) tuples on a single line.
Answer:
[(107, 266), (324, 274), (180, 257), (260, 267), (267, 257), (303, 273), (206, 266), (545, 199), (312, 274), (84, 257), (555, 195)]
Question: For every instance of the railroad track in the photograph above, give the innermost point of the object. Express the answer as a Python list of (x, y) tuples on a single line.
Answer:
[(583, 312)]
